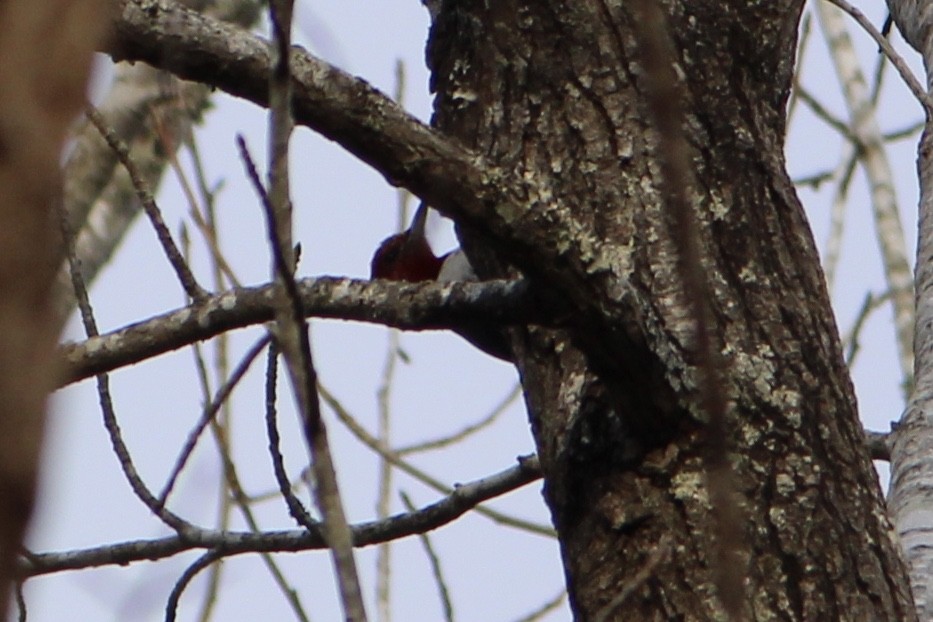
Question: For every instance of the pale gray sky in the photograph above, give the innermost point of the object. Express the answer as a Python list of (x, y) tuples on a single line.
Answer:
[(343, 210)]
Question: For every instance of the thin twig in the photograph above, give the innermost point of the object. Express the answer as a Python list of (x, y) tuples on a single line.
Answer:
[(467, 431), (103, 390), (208, 226), (435, 561), (384, 400), (814, 180), (546, 608), (837, 212), (210, 411), (205, 561), (212, 592), (185, 276), (802, 46), (295, 507), (899, 63), (851, 339), (210, 596), (822, 112), (908, 131), (383, 495), (370, 441), (458, 502)]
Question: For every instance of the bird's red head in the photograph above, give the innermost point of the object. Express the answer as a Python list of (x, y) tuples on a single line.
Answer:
[(407, 256)]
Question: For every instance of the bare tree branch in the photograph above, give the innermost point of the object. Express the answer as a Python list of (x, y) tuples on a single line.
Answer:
[(373, 443), (175, 258), (120, 449), (202, 563), (909, 79), (436, 570), (410, 306), (466, 431), (463, 498), (879, 445), (150, 110), (870, 148), (497, 204)]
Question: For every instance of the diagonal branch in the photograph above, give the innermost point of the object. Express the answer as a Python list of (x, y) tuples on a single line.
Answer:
[(520, 216), (337, 105)]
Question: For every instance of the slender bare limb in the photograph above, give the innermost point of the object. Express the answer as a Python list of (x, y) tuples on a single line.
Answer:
[(546, 608), (409, 306), (843, 173), (802, 47), (210, 411), (823, 113), (185, 276), (851, 338), (871, 152), (106, 402), (219, 424), (909, 79), (367, 439), (461, 500), (436, 570), (295, 507), (201, 563), (492, 417)]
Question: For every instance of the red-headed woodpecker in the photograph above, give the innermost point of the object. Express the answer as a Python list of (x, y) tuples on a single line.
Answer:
[(407, 256)]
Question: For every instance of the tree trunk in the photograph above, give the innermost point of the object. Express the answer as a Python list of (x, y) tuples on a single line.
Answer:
[(551, 91), (911, 490)]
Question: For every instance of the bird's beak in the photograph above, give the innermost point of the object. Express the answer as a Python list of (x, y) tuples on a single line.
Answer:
[(417, 229)]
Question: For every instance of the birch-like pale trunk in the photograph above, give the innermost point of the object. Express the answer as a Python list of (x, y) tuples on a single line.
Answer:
[(911, 493)]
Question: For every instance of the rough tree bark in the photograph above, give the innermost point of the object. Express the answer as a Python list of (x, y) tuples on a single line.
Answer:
[(552, 92)]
